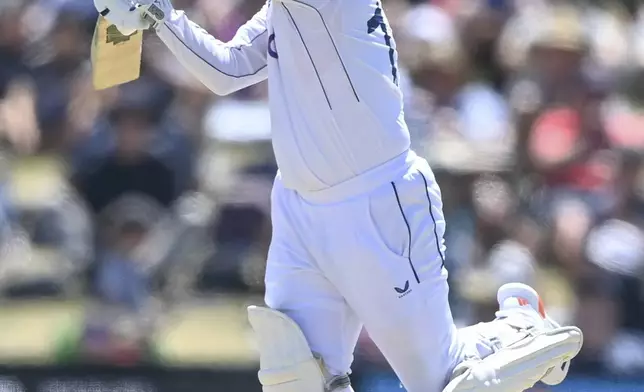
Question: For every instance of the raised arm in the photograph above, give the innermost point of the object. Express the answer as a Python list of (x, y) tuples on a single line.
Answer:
[(222, 67)]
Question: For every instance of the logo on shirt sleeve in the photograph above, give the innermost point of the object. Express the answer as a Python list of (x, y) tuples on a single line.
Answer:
[(272, 48)]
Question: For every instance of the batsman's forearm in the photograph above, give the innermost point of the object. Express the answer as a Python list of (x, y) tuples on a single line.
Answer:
[(222, 67)]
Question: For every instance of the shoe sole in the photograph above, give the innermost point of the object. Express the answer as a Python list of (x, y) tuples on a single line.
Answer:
[(520, 366)]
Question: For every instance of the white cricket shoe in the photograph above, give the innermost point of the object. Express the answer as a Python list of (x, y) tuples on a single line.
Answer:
[(528, 347)]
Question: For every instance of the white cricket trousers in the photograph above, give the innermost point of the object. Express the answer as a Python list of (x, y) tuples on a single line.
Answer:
[(375, 260)]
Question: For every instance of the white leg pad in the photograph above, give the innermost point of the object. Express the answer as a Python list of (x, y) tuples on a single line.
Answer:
[(286, 361), (518, 367)]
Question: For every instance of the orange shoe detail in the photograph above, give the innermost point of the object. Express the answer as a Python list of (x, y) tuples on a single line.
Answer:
[(542, 308)]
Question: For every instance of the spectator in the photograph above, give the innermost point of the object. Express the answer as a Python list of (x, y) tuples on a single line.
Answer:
[(12, 45), (122, 277), (529, 111), (130, 168)]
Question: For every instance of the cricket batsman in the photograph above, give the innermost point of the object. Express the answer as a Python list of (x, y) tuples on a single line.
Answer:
[(357, 215)]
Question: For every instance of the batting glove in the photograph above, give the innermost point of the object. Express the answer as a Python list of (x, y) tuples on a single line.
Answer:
[(155, 12), (130, 17), (123, 14)]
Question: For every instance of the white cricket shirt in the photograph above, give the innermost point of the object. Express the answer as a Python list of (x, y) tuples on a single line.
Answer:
[(336, 108)]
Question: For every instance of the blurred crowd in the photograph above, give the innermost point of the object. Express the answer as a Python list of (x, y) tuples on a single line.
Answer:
[(143, 197)]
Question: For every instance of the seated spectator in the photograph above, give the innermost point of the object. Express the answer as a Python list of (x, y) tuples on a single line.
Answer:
[(575, 161), (451, 105), (130, 168), (55, 78), (18, 125), (12, 45), (122, 277), (49, 238)]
